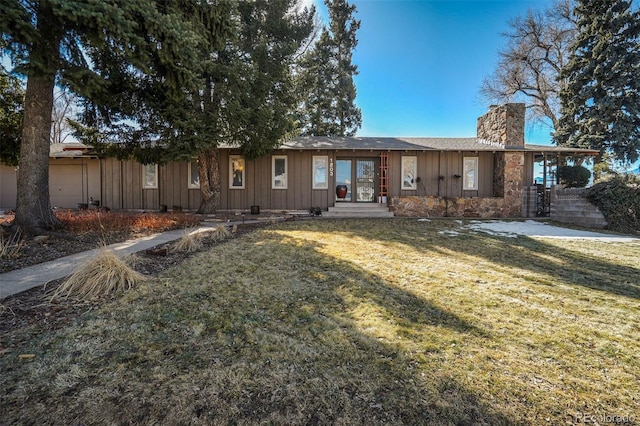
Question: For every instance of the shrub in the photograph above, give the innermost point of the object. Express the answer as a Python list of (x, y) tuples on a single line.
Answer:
[(618, 198), (574, 176), (99, 221)]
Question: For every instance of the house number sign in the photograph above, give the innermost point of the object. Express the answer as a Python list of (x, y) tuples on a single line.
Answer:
[(331, 167)]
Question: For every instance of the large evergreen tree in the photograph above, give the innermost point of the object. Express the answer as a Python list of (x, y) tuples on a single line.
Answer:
[(601, 100), (326, 77), (115, 54), (246, 98), (249, 101), (11, 112)]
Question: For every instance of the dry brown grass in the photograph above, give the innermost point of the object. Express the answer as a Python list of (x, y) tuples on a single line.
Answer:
[(220, 233), (189, 242), (104, 274), (351, 322), (10, 245)]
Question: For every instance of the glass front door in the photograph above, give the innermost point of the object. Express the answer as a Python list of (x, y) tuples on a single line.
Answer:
[(343, 177), (359, 180)]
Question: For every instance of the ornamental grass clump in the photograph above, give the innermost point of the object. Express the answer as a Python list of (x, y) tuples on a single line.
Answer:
[(10, 247), (105, 274), (189, 242), (220, 233)]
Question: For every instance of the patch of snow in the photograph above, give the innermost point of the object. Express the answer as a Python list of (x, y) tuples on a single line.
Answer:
[(424, 220), (532, 228)]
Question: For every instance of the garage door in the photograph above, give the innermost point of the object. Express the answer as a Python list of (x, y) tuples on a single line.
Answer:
[(8, 187), (67, 185)]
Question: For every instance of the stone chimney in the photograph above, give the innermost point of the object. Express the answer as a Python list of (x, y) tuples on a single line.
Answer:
[(503, 124)]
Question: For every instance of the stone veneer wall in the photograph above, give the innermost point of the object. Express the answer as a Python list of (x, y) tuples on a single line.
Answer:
[(571, 206), (449, 207), (513, 182), (503, 124), (498, 174)]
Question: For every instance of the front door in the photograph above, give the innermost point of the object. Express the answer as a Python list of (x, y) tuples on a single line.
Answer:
[(359, 176), (365, 181)]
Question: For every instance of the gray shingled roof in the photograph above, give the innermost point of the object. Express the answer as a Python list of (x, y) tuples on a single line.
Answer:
[(70, 150), (415, 144)]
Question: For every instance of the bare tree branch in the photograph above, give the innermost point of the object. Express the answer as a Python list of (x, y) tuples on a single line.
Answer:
[(64, 108), (529, 65)]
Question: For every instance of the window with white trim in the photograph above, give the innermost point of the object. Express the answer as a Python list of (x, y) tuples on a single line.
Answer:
[(409, 173), (279, 172), (320, 172), (194, 176), (150, 176), (470, 174), (236, 172)]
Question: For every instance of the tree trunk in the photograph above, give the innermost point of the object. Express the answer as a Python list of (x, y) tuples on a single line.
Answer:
[(209, 172), (33, 206)]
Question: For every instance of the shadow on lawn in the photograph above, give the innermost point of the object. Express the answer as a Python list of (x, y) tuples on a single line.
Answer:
[(301, 348), (570, 267), (279, 351), (371, 377)]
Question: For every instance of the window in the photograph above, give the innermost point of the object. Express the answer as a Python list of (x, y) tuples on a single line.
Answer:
[(470, 174), (279, 170), (150, 176), (320, 172), (236, 172), (194, 177), (409, 168)]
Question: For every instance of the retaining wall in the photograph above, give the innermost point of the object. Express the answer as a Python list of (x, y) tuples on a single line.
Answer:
[(570, 205)]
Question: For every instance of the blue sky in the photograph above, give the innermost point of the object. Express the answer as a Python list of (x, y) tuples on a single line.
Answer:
[(422, 63)]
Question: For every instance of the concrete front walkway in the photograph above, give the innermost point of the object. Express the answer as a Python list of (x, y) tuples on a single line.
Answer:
[(20, 280)]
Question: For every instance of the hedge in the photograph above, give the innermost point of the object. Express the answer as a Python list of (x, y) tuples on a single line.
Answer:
[(618, 198)]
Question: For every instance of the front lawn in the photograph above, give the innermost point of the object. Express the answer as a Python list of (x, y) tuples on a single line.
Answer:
[(351, 322)]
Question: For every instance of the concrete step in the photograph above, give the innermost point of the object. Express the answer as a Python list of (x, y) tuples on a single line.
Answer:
[(357, 214), (359, 206), (358, 210)]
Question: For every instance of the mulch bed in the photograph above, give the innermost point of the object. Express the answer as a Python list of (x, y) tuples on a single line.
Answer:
[(32, 312)]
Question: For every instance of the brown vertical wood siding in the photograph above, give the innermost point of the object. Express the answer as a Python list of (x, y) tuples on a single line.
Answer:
[(446, 164), (258, 191), (122, 186), (122, 180)]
